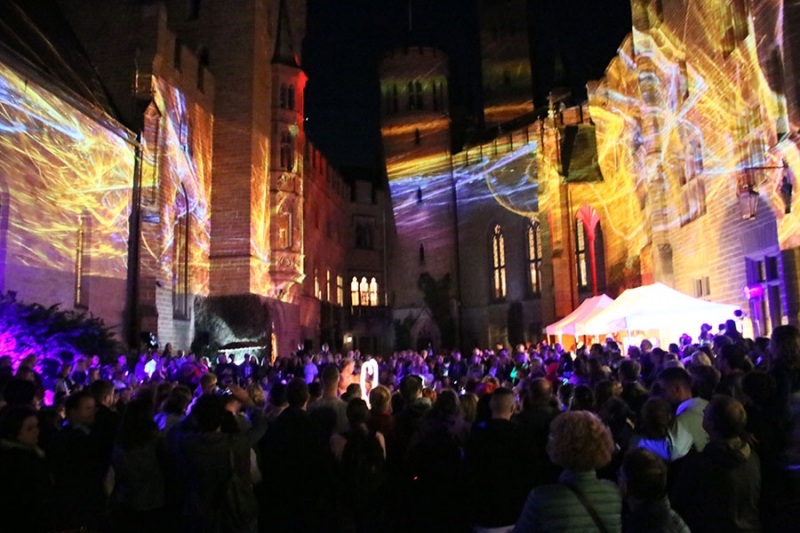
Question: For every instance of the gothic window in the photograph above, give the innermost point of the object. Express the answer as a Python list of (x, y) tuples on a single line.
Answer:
[(193, 11), (373, 292), (354, 292), (412, 100), (290, 100), (287, 152), (534, 234), (81, 260), (436, 91), (420, 101), (498, 263), (735, 25), (415, 99), (363, 291), (339, 290), (693, 194), (317, 287), (180, 256), (580, 255), (417, 139), (328, 286)]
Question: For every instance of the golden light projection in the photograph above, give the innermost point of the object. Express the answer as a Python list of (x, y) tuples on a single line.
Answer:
[(176, 184), (59, 166)]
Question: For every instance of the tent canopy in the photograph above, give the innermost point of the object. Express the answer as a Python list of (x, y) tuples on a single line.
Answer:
[(657, 307), (573, 323)]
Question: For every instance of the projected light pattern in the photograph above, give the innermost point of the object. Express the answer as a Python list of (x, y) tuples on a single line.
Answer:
[(58, 165), (177, 159)]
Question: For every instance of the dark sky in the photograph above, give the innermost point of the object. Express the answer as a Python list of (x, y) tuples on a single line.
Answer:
[(346, 38)]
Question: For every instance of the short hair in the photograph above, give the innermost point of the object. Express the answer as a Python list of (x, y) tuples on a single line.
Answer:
[(357, 412), (277, 395), (19, 392), (74, 400), (579, 441), (676, 375), (539, 391), (727, 416), (784, 345), (297, 392), (208, 412), (645, 475), (12, 420), (330, 377), (101, 388), (207, 379), (656, 418), (582, 398), (502, 401), (379, 399), (704, 380), (629, 370), (410, 387), (734, 355)]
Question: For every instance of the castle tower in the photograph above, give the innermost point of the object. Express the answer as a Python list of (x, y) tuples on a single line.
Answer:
[(505, 60), (416, 139), (286, 183)]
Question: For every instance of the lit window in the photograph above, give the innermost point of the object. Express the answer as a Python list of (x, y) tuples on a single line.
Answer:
[(499, 263), (328, 287), (81, 292), (354, 297), (535, 257), (339, 290), (317, 288), (285, 229), (373, 292), (363, 289), (580, 255), (180, 257)]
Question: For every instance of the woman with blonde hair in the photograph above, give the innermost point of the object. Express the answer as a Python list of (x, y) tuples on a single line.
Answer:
[(580, 443)]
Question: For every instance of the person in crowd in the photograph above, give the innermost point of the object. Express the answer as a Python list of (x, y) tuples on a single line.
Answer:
[(633, 392), (643, 484), (731, 364), (173, 409), (138, 497), (329, 412), (380, 415), (346, 377), (676, 387), (539, 409), (579, 443), (106, 419), (310, 370), (718, 490), (660, 433), (497, 467), (24, 474)]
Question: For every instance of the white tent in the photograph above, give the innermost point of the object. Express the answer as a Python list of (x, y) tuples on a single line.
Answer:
[(658, 307), (573, 323)]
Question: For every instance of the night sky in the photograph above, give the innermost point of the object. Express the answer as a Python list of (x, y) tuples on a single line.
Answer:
[(346, 38)]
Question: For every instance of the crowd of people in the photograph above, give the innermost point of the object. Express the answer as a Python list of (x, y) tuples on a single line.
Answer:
[(703, 436)]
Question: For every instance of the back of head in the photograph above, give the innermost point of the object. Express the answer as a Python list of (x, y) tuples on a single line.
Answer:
[(579, 441), (784, 345), (446, 404), (410, 388), (297, 393), (502, 402), (101, 389), (675, 375), (12, 421), (330, 378), (644, 475), (19, 392), (539, 392), (357, 412), (725, 417), (137, 425), (629, 370), (734, 355), (704, 380), (656, 418), (74, 400), (582, 399), (208, 413), (761, 388), (379, 399), (277, 395), (207, 381)]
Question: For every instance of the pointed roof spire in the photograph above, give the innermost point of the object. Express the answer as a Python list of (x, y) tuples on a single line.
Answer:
[(284, 49)]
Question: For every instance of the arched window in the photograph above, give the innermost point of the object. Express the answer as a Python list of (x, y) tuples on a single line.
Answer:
[(202, 65), (534, 258), (193, 12), (317, 288), (412, 99), (373, 292), (285, 228), (363, 289), (417, 139), (693, 195), (180, 256), (499, 263), (290, 102), (339, 290), (355, 299), (580, 255)]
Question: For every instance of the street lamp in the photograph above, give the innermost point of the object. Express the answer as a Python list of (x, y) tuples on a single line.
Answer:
[(747, 191)]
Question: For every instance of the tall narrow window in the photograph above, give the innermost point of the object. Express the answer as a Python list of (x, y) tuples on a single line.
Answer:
[(287, 152), (580, 255), (339, 290), (81, 262), (435, 97), (420, 100), (283, 96), (499, 263), (363, 289), (417, 139), (328, 286), (412, 98), (193, 11), (180, 256), (373, 292), (693, 192), (290, 98), (355, 299), (394, 98), (317, 287), (285, 229), (202, 65), (534, 258)]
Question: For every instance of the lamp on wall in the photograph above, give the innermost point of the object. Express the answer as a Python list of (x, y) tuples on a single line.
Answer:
[(747, 190)]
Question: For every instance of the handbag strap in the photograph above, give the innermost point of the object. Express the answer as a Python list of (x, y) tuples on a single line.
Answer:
[(588, 506)]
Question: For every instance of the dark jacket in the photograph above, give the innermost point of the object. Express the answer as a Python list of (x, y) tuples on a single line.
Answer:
[(25, 479), (534, 424), (496, 473), (654, 517), (718, 489)]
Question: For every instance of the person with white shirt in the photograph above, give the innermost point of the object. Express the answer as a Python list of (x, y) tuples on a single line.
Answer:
[(676, 386)]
